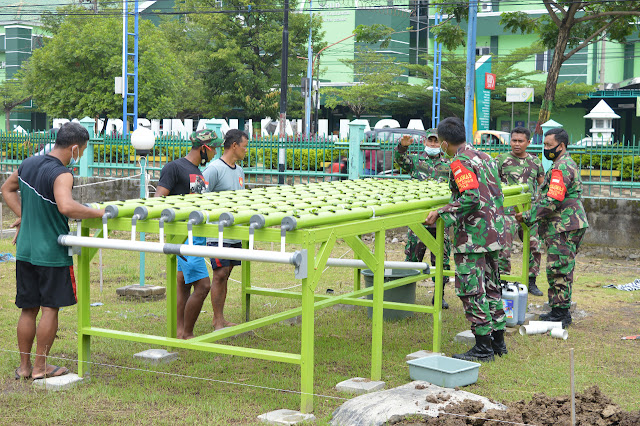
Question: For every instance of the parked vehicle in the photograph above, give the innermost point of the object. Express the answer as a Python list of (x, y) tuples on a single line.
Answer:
[(491, 137)]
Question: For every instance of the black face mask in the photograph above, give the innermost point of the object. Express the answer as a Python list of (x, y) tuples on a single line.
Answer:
[(552, 154)]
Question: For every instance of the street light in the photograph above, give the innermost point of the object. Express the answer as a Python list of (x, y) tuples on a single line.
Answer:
[(143, 140)]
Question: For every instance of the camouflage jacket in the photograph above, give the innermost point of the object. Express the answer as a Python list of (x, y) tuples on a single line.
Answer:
[(475, 209), (421, 166), (514, 170), (558, 206)]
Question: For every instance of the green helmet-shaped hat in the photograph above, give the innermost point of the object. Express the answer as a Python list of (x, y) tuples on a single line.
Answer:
[(205, 138)]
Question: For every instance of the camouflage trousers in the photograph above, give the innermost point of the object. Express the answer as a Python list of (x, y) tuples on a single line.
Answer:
[(535, 255), (562, 249), (415, 250), (478, 286)]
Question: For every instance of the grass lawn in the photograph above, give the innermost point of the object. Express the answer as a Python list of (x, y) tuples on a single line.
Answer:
[(209, 388)]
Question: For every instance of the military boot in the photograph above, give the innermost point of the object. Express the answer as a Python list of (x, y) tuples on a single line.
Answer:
[(497, 343), (482, 350), (445, 305), (558, 315), (533, 288)]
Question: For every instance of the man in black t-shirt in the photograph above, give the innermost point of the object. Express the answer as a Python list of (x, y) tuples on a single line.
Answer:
[(179, 177)]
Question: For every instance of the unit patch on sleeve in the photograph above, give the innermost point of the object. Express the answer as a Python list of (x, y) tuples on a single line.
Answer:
[(465, 178), (557, 190)]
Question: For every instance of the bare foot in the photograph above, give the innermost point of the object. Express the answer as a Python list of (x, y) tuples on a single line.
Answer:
[(187, 336), (225, 323)]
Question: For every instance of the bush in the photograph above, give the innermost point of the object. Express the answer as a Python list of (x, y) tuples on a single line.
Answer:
[(628, 166), (297, 159)]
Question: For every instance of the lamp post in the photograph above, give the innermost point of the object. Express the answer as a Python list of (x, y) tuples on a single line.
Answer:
[(143, 140)]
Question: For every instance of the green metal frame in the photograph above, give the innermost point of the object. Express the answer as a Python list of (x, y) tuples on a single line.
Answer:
[(322, 238)]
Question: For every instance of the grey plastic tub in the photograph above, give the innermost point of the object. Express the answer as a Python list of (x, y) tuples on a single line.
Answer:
[(402, 294), (444, 371)]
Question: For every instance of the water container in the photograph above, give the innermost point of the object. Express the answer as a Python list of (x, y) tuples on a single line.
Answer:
[(402, 294), (510, 300), (523, 298)]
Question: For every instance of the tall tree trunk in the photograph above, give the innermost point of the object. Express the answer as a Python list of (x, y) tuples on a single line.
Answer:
[(552, 77), (7, 119)]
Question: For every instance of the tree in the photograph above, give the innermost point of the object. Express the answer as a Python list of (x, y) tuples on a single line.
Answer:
[(11, 95), (72, 75), (376, 84), (507, 75), (567, 28), (239, 53)]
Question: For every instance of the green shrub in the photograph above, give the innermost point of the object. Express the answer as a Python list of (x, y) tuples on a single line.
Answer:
[(297, 159)]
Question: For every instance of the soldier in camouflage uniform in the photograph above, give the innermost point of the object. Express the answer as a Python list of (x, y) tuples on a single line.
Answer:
[(477, 215), (428, 164), (562, 222), (520, 167)]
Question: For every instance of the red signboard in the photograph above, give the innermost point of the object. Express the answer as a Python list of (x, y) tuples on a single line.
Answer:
[(489, 81)]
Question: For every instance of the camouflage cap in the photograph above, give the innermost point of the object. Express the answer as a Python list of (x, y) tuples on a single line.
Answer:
[(205, 138), (432, 132)]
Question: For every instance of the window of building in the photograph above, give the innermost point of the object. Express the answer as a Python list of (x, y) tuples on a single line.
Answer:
[(480, 51), (543, 60), (485, 6)]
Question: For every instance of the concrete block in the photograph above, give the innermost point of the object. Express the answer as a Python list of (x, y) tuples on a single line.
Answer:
[(529, 316), (156, 356), (344, 307), (146, 293), (421, 354), (465, 337), (358, 386), (59, 383), (292, 321), (510, 331), (285, 417)]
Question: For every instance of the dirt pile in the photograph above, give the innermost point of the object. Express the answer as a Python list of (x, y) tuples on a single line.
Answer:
[(593, 408)]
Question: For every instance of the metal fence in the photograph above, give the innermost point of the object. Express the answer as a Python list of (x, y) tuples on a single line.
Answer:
[(607, 171)]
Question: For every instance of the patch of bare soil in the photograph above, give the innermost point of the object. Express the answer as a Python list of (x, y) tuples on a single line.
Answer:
[(593, 408)]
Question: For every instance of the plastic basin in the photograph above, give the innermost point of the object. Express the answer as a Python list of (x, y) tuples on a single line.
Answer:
[(444, 371)]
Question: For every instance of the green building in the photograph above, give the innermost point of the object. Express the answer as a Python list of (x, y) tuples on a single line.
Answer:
[(614, 67)]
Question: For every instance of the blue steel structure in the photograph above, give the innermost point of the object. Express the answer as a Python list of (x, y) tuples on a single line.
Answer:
[(134, 56), (125, 101), (437, 75)]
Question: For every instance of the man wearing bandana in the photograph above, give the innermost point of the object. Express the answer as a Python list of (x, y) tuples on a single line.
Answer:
[(477, 216), (562, 222)]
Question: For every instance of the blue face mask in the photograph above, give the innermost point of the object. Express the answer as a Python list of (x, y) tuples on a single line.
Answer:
[(74, 160), (432, 152)]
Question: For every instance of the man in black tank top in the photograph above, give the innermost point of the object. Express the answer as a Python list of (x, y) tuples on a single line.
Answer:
[(44, 269)]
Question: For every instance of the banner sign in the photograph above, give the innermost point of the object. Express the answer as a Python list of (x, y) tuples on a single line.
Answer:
[(520, 94)]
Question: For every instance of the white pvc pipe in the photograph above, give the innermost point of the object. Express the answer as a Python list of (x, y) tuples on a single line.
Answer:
[(390, 264), (294, 258), (559, 333), (549, 324), (532, 329)]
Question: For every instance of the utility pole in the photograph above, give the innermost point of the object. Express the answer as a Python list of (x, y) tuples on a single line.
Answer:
[(307, 100), (602, 63), (282, 153), (471, 70)]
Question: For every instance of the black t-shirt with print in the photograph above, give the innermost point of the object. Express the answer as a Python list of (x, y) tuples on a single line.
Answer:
[(181, 177)]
